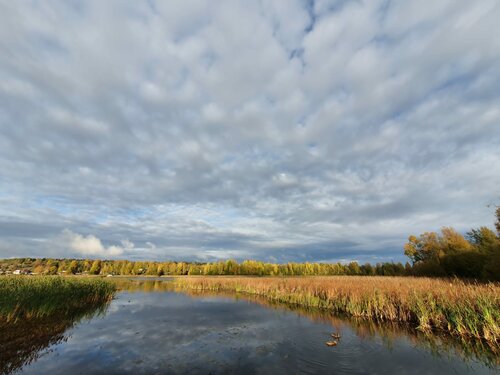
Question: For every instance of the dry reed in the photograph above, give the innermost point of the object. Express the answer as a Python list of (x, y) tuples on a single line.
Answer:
[(452, 306)]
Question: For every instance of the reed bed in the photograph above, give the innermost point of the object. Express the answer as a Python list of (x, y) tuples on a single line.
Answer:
[(439, 344), (467, 310), (24, 297)]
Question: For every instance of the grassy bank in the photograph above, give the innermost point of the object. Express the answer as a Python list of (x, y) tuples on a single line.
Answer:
[(451, 306), (24, 297)]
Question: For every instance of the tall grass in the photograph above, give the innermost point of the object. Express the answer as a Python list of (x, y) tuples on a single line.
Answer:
[(439, 344), (467, 310), (23, 297)]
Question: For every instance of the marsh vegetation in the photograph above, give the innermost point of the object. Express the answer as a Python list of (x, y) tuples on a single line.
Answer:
[(154, 325), (366, 329), (31, 297), (36, 311), (449, 306)]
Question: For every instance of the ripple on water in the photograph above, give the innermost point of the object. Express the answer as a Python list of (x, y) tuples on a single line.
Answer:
[(166, 332)]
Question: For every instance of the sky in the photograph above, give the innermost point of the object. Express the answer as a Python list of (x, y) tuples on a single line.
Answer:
[(272, 130)]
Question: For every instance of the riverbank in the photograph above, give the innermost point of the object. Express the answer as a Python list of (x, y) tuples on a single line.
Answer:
[(28, 297), (468, 310)]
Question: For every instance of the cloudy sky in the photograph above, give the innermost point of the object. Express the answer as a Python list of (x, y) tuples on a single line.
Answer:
[(274, 130)]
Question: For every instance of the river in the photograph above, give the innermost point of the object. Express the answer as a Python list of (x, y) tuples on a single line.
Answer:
[(150, 328)]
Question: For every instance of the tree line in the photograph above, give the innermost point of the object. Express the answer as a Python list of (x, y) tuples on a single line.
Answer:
[(229, 267), (448, 253)]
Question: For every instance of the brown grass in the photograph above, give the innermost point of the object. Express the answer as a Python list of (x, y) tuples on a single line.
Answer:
[(452, 306)]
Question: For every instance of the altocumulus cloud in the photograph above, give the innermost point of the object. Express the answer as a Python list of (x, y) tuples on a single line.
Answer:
[(276, 130)]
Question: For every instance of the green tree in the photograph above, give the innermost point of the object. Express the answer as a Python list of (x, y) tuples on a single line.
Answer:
[(367, 269), (408, 269), (354, 268), (231, 267), (491, 269), (497, 223), (484, 239)]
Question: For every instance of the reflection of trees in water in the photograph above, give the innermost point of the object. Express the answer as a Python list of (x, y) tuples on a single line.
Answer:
[(438, 345), (133, 285), (389, 332), (23, 341)]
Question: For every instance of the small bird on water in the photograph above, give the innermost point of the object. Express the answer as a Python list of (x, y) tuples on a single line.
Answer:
[(335, 335), (331, 343)]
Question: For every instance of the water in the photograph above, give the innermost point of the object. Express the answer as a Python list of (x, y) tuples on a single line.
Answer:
[(151, 329)]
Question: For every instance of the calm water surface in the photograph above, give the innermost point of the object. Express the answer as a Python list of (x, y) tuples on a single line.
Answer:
[(150, 329)]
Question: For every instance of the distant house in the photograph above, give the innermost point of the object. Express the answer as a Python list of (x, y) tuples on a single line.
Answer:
[(22, 272)]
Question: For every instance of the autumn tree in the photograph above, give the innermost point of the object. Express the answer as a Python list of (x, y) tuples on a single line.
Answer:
[(425, 248), (453, 242), (96, 267), (477, 255), (51, 268), (73, 267)]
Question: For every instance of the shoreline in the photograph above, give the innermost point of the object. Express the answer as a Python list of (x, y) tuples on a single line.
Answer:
[(462, 310)]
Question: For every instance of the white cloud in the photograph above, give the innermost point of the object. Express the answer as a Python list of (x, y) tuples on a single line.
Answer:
[(90, 245), (268, 129)]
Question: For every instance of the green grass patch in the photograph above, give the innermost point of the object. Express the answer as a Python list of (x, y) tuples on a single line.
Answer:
[(27, 297)]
